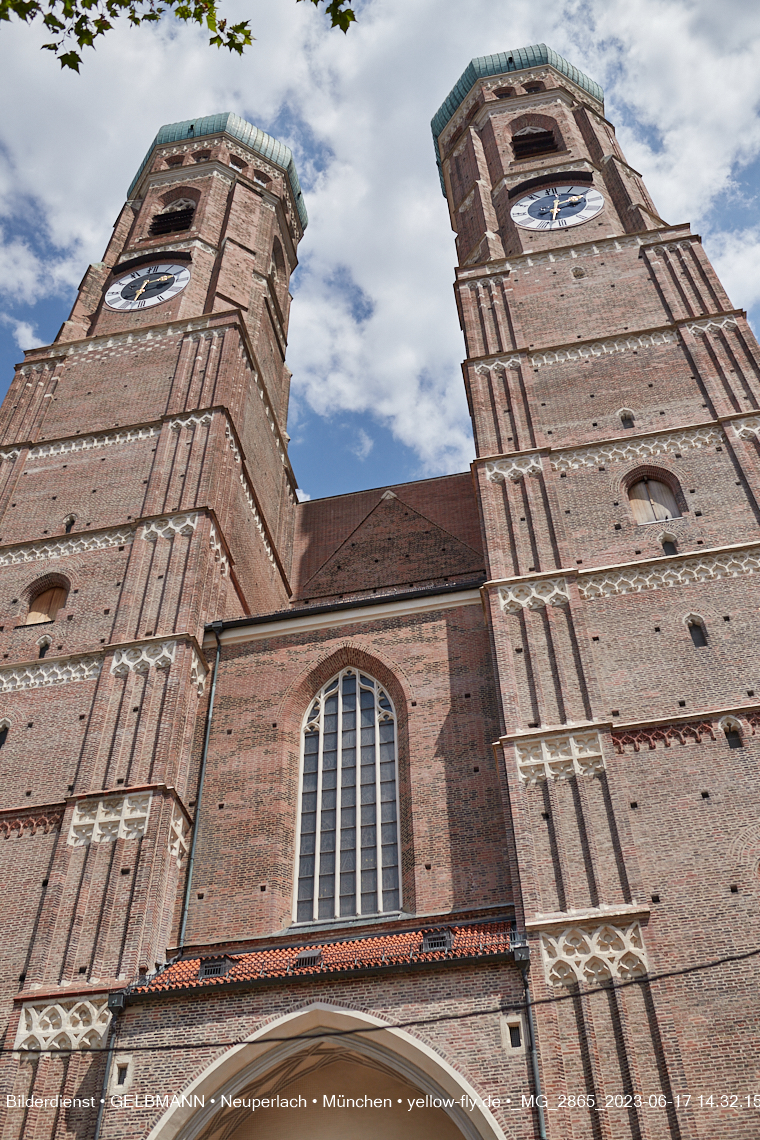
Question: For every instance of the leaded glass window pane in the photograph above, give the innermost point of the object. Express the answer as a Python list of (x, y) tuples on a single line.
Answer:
[(348, 860)]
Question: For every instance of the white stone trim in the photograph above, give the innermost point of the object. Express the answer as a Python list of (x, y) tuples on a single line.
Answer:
[(80, 543), (141, 658), (194, 420), (641, 447), (607, 347), (533, 594), (54, 671), (179, 835), (217, 549), (123, 816), (748, 427), (309, 623), (69, 1023), (713, 324), (170, 526), (513, 361), (593, 955), (12, 454), (198, 671), (89, 442), (513, 469), (559, 755), (667, 572)]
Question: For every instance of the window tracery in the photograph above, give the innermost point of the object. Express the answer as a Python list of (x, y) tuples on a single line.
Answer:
[(348, 857)]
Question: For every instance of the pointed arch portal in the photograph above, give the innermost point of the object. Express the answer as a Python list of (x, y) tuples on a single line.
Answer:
[(386, 1064)]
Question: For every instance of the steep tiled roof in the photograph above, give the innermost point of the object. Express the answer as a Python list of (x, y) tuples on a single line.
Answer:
[(345, 955)]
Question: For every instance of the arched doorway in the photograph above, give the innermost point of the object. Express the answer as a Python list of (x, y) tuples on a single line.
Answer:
[(384, 1065)]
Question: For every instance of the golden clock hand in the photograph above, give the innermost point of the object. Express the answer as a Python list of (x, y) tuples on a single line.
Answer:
[(556, 208), (142, 289)]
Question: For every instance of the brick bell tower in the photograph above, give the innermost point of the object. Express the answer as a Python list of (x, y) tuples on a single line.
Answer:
[(614, 393), (146, 490)]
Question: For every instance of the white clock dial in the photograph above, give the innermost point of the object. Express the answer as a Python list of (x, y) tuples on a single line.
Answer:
[(557, 207), (147, 286)]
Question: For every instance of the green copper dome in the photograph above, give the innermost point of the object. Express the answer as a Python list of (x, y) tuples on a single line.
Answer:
[(249, 135), (499, 64)]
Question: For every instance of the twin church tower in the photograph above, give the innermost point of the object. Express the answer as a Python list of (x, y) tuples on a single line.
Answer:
[(424, 811)]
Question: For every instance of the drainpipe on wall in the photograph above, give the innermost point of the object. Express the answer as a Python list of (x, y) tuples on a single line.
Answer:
[(216, 626), (524, 969), (116, 1003)]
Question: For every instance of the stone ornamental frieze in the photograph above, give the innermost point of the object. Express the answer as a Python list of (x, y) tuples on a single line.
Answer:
[(33, 822), (513, 361), (142, 658), (218, 551), (499, 470), (748, 427), (56, 671), (12, 454), (108, 819), (90, 442), (623, 450), (607, 347), (528, 261), (667, 573), (198, 672), (65, 546), (191, 420), (559, 756), (170, 527), (652, 735), (713, 325), (533, 595), (593, 955), (70, 1023)]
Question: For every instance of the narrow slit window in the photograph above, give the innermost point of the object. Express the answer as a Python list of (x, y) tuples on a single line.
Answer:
[(348, 836), (4, 729), (46, 605), (668, 546), (698, 635), (652, 501), (733, 736)]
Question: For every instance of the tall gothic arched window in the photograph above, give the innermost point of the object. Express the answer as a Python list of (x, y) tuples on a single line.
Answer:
[(348, 860)]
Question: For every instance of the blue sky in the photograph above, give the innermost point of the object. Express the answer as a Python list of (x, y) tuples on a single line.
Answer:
[(375, 346)]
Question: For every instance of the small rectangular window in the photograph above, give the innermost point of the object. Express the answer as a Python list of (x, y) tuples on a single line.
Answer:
[(121, 1074), (515, 1037)]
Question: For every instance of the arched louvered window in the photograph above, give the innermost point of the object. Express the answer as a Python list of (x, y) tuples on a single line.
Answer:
[(46, 605), (652, 501), (348, 860)]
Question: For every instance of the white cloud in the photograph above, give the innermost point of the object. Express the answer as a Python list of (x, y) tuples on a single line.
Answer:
[(24, 334), (374, 327), (362, 445)]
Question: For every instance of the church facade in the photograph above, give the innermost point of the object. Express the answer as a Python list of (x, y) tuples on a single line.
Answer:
[(428, 810)]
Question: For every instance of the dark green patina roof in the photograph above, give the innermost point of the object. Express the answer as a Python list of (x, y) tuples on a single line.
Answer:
[(250, 136), (498, 64)]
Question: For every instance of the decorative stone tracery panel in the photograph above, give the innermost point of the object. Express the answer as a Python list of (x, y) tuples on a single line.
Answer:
[(217, 549), (179, 835), (559, 756), (57, 671), (191, 420), (619, 451), (533, 595), (514, 470), (747, 428), (667, 573), (71, 1023), (506, 362), (170, 526), (140, 658), (108, 819), (593, 954), (198, 672)]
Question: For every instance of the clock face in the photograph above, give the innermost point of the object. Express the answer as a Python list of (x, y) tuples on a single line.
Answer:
[(557, 207), (147, 286)]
